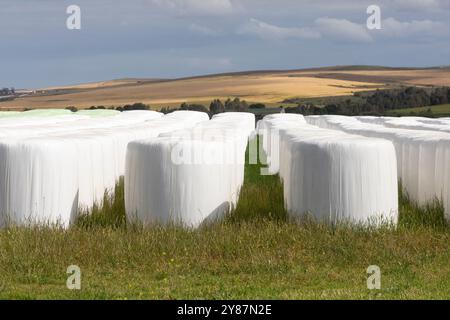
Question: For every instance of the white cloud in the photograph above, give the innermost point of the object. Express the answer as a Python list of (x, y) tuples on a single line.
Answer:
[(268, 31), (343, 30), (394, 28), (336, 29), (196, 7), (346, 31)]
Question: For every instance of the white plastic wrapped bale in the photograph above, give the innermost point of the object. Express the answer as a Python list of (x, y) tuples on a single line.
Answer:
[(98, 113), (188, 116), (341, 178), (139, 115), (201, 185), (440, 121), (403, 120), (374, 120), (18, 122), (415, 153), (243, 120), (270, 130), (422, 156), (281, 116), (414, 124), (284, 117), (45, 113), (289, 134), (35, 116), (9, 114), (66, 171), (442, 174), (160, 187), (76, 122), (237, 126), (235, 138), (26, 173)]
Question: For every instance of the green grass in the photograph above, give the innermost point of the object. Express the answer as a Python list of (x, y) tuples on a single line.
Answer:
[(256, 252), (442, 110), (261, 197)]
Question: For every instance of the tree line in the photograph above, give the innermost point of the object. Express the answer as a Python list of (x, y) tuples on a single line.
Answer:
[(7, 91), (217, 106), (378, 102)]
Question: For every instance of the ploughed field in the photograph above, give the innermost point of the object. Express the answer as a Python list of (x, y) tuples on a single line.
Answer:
[(176, 206)]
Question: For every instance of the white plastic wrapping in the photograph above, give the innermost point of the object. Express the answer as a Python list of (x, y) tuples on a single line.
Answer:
[(417, 124), (422, 155), (161, 191), (270, 129), (333, 176), (188, 177), (343, 179), (46, 177)]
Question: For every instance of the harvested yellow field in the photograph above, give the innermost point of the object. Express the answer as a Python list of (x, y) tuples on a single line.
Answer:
[(96, 85), (267, 87), (419, 77)]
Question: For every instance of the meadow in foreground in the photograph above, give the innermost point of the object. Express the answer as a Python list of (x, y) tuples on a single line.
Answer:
[(256, 252)]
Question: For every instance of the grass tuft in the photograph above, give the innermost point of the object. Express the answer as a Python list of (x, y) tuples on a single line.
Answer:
[(110, 213), (412, 215)]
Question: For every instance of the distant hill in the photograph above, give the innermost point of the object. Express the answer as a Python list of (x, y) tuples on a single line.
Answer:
[(267, 86)]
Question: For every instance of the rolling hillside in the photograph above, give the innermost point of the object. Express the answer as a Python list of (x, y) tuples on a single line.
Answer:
[(256, 86)]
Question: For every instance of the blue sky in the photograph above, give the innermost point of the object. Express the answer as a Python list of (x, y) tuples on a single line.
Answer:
[(176, 38)]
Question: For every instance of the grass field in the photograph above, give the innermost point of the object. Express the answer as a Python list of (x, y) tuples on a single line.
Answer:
[(439, 111), (256, 252)]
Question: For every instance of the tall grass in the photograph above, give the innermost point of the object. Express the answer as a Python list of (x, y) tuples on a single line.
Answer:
[(412, 215), (109, 213)]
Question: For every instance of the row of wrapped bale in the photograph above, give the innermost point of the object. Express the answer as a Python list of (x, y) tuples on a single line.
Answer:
[(415, 123), (47, 178), (39, 116), (270, 129), (423, 156), (50, 113), (333, 176), (68, 123), (35, 113), (188, 177)]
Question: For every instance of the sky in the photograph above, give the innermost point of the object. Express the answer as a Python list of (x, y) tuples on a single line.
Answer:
[(179, 38)]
